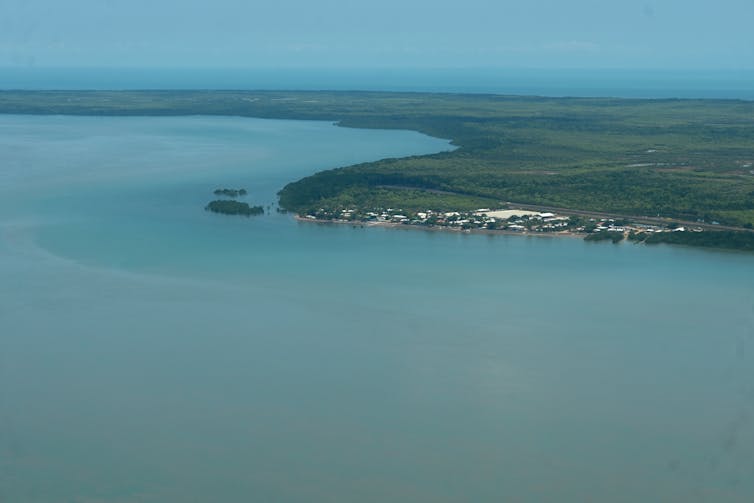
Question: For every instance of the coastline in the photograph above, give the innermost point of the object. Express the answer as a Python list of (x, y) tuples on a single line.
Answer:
[(440, 228), (649, 179), (653, 179), (729, 247)]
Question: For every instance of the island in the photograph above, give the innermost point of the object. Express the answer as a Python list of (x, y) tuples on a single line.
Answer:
[(229, 207), (230, 192)]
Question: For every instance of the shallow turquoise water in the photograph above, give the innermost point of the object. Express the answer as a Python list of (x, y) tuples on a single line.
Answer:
[(152, 352)]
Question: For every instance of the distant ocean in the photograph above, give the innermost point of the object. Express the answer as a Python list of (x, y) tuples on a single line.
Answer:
[(583, 83)]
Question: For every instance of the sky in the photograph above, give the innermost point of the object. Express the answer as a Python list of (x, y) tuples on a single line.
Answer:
[(666, 34)]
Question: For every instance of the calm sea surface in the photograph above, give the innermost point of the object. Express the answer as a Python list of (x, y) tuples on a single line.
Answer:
[(636, 83), (152, 352)]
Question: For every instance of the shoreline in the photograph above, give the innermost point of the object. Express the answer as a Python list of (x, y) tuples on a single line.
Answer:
[(440, 228), (493, 232)]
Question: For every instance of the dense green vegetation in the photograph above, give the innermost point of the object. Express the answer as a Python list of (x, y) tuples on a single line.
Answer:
[(729, 240), (718, 239), (231, 192), (684, 159), (229, 207), (613, 236)]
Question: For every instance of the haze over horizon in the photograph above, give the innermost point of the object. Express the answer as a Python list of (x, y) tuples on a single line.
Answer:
[(655, 34)]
